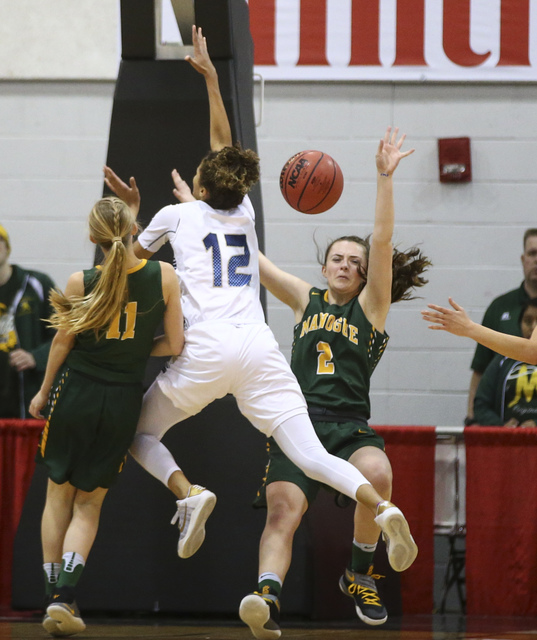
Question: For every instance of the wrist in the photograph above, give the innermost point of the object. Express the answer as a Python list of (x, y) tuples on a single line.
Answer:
[(383, 174)]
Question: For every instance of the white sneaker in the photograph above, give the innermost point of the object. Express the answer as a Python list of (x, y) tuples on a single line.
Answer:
[(400, 545), (261, 612), (67, 617), (52, 626), (192, 513)]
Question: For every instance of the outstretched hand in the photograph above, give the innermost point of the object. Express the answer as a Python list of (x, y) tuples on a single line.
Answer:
[(389, 151), (453, 320), (181, 191), (201, 60), (129, 193)]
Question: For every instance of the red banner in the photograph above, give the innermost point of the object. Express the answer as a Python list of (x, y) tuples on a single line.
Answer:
[(454, 40)]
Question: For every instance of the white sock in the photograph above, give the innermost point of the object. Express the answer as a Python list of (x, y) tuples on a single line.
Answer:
[(364, 546), (52, 569), (72, 559), (270, 576)]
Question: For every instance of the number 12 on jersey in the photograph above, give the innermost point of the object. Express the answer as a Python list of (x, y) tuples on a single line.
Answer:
[(235, 261)]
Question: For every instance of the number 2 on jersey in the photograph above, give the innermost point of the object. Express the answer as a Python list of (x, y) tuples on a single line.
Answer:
[(242, 260), (324, 361)]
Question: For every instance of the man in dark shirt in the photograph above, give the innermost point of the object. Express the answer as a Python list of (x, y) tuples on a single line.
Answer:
[(24, 336), (503, 314)]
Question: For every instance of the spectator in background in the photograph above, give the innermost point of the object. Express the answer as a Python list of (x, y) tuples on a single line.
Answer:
[(503, 314), (24, 336), (506, 395)]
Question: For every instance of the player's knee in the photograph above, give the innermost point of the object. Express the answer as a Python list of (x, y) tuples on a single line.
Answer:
[(283, 518), (284, 511), (379, 475)]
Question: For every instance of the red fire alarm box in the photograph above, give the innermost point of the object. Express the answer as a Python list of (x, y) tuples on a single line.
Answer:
[(454, 160)]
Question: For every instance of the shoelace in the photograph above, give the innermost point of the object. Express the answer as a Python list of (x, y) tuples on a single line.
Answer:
[(366, 589), (368, 596)]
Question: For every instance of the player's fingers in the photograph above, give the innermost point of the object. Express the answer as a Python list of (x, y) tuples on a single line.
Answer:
[(401, 140), (437, 308)]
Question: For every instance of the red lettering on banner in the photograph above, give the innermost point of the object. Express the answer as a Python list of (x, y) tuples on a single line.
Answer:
[(410, 32), (365, 33), (457, 34), (312, 33), (263, 29), (515, 33)]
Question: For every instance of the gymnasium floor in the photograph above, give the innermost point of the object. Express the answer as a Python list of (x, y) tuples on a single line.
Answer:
[(408, 628)]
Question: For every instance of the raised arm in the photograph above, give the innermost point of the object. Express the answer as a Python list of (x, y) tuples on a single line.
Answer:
[(130, 195), (457, 322), (375, 297), (220, 129), (291, 290)]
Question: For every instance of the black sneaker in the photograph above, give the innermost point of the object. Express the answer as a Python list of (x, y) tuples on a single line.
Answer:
[(64, 611), (362, 589), (261, 612)]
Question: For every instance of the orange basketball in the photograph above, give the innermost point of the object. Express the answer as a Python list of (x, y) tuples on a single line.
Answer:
[(311, 181)]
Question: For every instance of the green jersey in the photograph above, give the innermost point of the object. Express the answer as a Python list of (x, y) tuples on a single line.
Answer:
[(120, 353), (335, 351)]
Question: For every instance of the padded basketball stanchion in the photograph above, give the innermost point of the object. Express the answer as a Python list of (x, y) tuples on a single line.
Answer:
[(160, 117)]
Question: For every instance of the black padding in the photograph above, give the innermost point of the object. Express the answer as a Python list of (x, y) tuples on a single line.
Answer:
[(138, 29)]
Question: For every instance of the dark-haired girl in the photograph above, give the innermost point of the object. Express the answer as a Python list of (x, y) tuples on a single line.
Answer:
[(228, 346), (339, 338)]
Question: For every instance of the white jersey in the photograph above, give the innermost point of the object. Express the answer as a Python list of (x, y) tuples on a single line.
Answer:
[(216, 259)]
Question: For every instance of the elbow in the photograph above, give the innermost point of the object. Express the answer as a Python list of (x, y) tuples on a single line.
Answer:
[(177, 346)]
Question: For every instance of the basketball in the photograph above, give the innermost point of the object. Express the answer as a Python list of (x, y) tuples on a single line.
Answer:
[(311, 181)]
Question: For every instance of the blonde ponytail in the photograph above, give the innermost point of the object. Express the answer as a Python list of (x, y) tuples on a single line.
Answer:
[(110, 223)]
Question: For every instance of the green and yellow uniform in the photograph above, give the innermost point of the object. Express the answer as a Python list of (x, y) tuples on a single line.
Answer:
[(97, 396), (335, 351), (23, 327)]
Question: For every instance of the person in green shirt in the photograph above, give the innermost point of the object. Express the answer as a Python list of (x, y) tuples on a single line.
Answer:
[(503, 315), (25, 337), (339, 338), (506, 395), (106, 323)]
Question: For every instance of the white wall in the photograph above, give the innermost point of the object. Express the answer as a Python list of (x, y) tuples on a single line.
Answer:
[(53, 143)]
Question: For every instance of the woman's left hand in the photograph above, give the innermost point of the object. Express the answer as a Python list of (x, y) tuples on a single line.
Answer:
[(454, 320), (181, 191), (129, 193), (389, 151), (36, 405)]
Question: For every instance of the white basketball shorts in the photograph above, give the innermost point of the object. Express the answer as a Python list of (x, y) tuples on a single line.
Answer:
[(244, 360)]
